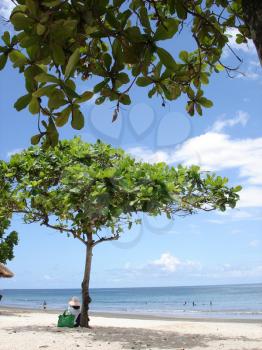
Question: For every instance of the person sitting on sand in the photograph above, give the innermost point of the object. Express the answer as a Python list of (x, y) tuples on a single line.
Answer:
[(74, 309)]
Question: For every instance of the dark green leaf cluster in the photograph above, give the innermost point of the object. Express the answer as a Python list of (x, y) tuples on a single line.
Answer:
[(120, 42), (7, 241), (80, 188)]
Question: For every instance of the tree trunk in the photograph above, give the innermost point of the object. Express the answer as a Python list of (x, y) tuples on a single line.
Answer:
[(86, 300), (253, 19)]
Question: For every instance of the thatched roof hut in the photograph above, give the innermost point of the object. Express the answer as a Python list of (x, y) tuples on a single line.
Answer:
[(4, 272)]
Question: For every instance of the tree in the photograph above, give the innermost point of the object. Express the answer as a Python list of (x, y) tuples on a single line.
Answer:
[(252, 17), (94, 192), (120, 42), (7, 241)]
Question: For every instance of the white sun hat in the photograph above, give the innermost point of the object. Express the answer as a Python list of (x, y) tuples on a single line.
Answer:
[(74, 301)]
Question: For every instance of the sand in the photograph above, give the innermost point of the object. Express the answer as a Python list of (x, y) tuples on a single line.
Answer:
[(32, 330)]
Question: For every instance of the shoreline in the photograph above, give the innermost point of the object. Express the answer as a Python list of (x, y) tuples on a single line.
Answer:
[(133, 316)]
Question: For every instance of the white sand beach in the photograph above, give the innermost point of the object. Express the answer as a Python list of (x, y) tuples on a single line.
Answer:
[(31, 330)]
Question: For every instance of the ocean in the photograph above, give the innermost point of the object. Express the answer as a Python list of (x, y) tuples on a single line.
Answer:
[(223, 301)]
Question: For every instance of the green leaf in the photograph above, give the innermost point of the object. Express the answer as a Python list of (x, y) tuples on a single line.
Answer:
[(62, 117), (18, 58), (100, 100), (6, 38), (87, 95), (143, 81), (46, 78), (40, 29), (166, 59), (152, 92), (123, 78), (107, 60), (175, 91), (34, 106), (78, 120), (72, 63), (56, 99), (3, 60), (44, 91), (167, 29), (204, 78), (52, 134), (125, 99), (58, 54), (20, 21), (198, 109), (183, 55), (36, 139), (219, 67), (205, 102), (51, 3), (134, 34), (237, 189), (98, 87), (23, 102), (190, 108)]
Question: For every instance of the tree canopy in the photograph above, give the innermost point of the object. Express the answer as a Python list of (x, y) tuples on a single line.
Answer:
[(122, 43), (95, 186), (7, 240), (93, 192)]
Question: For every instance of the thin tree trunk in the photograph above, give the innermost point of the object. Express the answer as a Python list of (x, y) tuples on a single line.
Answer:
[(253, 19), (86, 300)]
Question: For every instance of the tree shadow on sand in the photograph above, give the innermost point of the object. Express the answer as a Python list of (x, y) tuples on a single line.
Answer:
[(130, 338)]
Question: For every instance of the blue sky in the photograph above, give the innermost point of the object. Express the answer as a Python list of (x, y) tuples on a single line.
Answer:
[(208, 248)]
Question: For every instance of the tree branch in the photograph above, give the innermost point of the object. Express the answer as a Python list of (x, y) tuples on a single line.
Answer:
[(106, 239)]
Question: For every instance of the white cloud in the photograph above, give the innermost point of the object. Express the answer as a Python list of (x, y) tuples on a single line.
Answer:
[(169, 268), (245, 211), (170, 263), (241, 118), (250, 68), (249, 74), (251, 71), (251, 197), (167, 262), (239, 272), (6, 7), (215, 150), (47, 277), (248, 47), (254, 244)]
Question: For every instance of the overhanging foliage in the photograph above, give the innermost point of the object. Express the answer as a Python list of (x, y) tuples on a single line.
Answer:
[(120, 42)]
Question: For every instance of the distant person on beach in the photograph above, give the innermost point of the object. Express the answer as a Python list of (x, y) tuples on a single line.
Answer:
[(210, 303), (194, 303), (74, 309), (185, 303), (1, 297), (44, 305)]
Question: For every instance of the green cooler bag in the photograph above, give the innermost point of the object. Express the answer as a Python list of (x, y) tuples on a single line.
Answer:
[(66, 320)]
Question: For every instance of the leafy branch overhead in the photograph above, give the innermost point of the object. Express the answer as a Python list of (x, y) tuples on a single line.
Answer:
[(121, 43)]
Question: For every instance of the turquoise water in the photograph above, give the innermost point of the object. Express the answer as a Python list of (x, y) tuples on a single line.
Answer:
[(228, 301)]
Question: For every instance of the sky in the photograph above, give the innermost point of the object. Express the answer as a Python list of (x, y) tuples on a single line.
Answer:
[(206, 248)]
